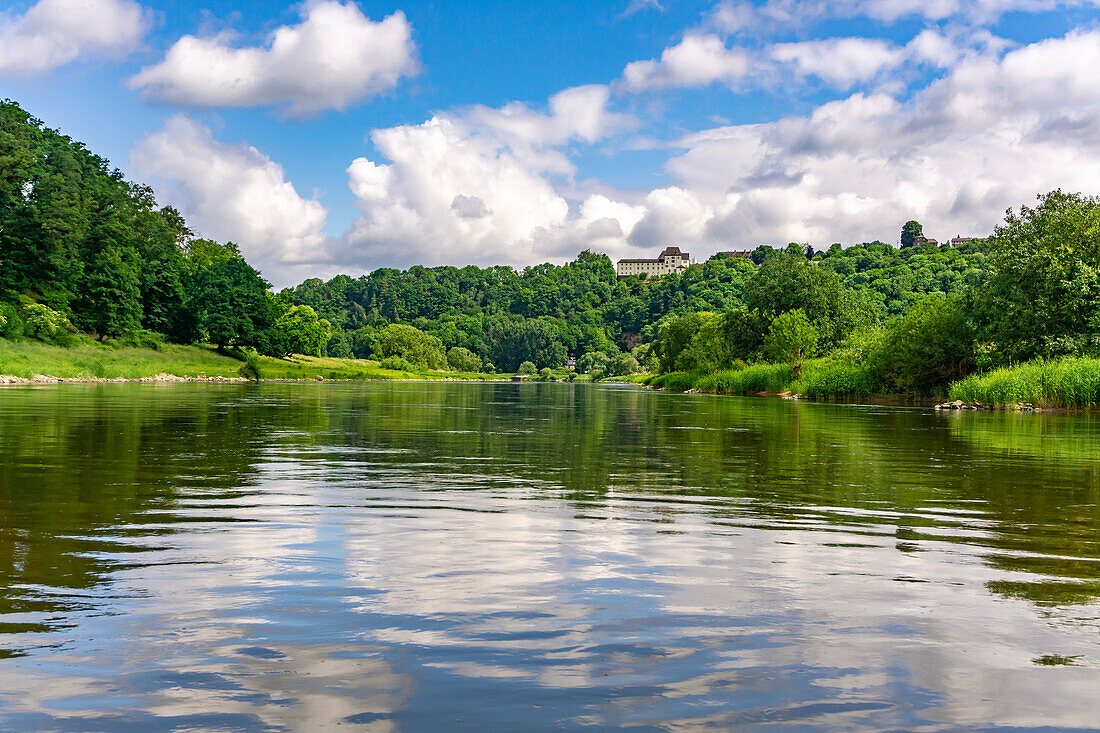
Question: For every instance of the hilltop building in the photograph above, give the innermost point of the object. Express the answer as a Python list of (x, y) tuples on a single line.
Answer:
[(743, 254), (669, 261)]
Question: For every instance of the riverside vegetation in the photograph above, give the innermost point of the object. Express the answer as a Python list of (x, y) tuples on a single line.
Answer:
[(97, 280)]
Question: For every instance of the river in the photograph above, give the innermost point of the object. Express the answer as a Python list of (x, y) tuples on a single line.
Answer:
[(504, 557)]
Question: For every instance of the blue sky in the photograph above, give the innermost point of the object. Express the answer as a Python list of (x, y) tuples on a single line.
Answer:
[(335, 136)]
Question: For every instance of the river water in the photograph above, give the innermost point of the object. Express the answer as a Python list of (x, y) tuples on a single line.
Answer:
[(503, 557)]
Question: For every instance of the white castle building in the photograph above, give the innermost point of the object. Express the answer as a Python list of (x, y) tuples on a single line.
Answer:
[(669, 261)]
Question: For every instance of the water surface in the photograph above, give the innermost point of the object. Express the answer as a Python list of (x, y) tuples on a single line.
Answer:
[(426, 557)]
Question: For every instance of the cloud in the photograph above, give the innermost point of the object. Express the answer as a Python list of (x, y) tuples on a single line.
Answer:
[(484, 186), (55, 32), (841, 62), (991, 134), (698, 60), (234, 193), (736, 16), (335, 57), (495, 185)]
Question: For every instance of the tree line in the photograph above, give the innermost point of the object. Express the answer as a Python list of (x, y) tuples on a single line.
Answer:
[(85, 253)]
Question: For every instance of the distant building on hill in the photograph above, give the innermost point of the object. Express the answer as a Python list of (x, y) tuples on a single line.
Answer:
[(925, 240), (738, 254), (957, 240), (669, 261)]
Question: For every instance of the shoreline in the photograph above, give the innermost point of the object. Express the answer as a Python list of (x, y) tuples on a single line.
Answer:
[(870, 400)]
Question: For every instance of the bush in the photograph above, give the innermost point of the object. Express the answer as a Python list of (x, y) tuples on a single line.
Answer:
[(251, 368), (545, 374), (928, 347), (397, 363), (12, 326), (592, 361), (791, 338), (527, 367), (142, 339), (622, 365), (413, 345), (46, 324), (463, 360)]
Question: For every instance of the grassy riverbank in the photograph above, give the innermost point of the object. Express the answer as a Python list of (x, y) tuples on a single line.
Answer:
[(1065, 383), (1072, 383), (26, 359)]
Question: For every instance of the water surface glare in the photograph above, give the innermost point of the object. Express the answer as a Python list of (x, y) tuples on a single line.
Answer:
[(502, 557)]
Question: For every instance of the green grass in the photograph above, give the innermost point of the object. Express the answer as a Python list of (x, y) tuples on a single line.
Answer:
[(311, 367), (822, 378), (1069, 383), (752, 379), (93, 360)]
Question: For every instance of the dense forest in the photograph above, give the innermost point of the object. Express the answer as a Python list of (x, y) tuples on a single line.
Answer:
[(85, 254)]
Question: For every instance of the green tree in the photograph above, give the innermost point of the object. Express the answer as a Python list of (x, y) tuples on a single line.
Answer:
[(301, 331), (527, 368), (422, 350), (790, 339), (591, 361), (928, 347), (911, 231), (1043, 293), (462, 359)]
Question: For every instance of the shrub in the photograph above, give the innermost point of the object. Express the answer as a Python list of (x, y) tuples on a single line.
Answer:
[(791, 338), (623, 364), (592, 361), (527, 367), (397, 363), (544, 374), (928, 347), (416, 347), (142, 339), (251, 367), (12, 326), (463, 360), (46, 324)]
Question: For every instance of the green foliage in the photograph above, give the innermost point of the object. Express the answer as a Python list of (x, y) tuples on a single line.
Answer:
[(45, 324), (910, 232), (421, 350), (791, 338), (622, 365), (1043, 294), (830, 378), (592, 361), (928, 347), (462, 359), (545, 374), (787, 282), (674, 335), (755, 379), (515, 341), (527, 368), (397, 363), (1069, 382), (142, 339), (251, 368), (301, 331)]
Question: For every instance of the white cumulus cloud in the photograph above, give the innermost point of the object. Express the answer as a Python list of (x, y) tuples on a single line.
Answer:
[(335, 57), (698, 60), (54, 32), (234, 193)]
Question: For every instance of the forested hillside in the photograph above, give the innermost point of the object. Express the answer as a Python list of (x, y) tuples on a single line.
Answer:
[(86, 255)]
